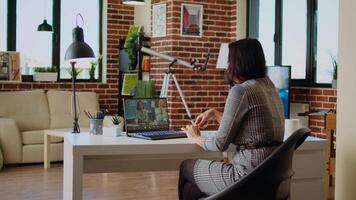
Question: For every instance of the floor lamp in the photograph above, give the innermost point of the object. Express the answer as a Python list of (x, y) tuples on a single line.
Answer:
[(76, 51)]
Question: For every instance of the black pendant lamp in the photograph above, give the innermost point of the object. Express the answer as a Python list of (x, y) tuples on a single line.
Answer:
[(134, 2), (45, 26)]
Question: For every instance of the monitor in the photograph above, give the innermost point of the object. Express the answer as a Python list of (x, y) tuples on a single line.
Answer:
[(281, 77), (146, 114)]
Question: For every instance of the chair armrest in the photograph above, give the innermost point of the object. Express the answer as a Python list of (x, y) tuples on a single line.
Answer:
[(10, 141)]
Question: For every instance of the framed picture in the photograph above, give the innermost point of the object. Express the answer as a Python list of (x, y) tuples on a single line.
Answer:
[(159, 20), (10, 66), (192, 20)]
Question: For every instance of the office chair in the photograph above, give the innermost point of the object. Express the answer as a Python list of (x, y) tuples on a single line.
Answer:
[(271, 179)]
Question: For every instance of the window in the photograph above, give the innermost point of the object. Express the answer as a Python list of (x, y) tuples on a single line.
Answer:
[(327, 34), (91, 15), (294, 40), (303, 34), (267, 28), (35, 47), (3, 25), (44, 49)]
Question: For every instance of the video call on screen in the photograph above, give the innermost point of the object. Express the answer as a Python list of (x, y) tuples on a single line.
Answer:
[(146, 114)]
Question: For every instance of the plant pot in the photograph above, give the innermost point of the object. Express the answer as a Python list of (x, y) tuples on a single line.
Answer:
[(114, 131), (45, 76), (334, 84)]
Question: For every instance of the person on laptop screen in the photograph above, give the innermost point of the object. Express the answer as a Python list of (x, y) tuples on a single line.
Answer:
[(253, 120), (161, 112), (141, 113)]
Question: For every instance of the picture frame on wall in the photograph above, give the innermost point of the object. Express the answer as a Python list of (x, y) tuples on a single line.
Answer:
[(191, 20), (10, 70), (159, 20)]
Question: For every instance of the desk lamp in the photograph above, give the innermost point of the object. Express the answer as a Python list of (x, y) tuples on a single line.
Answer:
[(76, 51)]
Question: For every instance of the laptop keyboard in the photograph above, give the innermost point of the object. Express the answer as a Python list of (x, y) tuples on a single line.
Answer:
[(159, 134)]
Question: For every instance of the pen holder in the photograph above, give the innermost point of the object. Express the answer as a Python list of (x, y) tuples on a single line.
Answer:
[(96, 126)]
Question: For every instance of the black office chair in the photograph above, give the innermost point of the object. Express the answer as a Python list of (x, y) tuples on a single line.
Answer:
[(271, 179)]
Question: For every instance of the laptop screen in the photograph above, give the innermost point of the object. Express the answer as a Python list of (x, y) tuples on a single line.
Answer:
[(146, 114)]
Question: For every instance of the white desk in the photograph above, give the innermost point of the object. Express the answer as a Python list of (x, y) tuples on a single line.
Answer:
[(85, 153)]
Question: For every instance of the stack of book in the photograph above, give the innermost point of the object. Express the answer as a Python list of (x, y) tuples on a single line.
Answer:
[(145, 89)]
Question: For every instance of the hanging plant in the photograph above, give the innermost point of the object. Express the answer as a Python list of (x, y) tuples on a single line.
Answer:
[(130, 45)]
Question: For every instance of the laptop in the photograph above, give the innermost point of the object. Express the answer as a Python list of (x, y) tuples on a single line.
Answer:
[(148, 119)]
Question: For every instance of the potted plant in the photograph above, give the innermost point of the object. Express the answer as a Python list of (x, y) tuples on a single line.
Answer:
[(77, 71), (118, 124), (45, 73), (130, 45), (93, 66), (335, 65)]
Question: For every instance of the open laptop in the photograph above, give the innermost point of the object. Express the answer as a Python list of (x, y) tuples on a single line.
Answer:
[(148, 119)]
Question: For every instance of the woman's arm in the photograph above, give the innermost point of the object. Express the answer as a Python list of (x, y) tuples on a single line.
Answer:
[(235, 110), (218, 116)]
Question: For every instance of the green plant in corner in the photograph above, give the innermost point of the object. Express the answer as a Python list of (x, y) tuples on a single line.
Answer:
[(335, 65), (130, 45)]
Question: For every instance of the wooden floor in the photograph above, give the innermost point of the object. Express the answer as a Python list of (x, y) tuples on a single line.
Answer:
[(32, 182)]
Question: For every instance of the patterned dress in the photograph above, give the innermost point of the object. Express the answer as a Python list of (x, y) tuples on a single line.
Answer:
[(253, 116)]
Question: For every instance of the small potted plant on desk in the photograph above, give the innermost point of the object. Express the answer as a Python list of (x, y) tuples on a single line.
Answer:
[(118, 124), (45, 73), (335, 65)]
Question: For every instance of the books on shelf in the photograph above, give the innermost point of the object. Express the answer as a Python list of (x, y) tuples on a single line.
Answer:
[(145, 89)]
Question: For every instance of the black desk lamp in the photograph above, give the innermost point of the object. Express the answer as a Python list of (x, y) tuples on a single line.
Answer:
[(76, 51)]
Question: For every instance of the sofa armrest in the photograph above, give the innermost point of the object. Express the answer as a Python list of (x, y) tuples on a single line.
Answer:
[(10, 141)]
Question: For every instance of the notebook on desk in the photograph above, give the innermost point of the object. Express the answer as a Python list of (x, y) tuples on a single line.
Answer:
[(148, 119)]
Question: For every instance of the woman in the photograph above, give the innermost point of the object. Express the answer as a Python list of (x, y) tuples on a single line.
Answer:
[(141, 113), (253, 120)]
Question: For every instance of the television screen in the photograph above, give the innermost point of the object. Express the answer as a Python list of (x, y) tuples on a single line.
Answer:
[(281, 76)]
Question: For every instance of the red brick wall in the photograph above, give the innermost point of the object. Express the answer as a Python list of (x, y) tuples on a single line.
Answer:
[(202, 90), (318, 99), (119, 18)]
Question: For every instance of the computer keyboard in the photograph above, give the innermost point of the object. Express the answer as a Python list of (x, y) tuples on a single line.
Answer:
[(156, 135)]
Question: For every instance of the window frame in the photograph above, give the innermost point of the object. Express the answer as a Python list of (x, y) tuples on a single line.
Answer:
[(56, 12), (312, 20)]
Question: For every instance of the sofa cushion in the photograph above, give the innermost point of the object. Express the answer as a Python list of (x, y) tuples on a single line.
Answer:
[(60, 108), (37, 137), (28, 108)]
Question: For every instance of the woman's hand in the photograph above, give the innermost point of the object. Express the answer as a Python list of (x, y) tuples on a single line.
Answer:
[(203, 119), (193, 133)]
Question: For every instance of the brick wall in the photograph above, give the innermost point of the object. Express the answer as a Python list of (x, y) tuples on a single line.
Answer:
[(119, 18), (202, 90), (318, 99)]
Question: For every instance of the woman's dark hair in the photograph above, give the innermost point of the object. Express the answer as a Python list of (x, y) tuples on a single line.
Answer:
[(246, 61), (138, 105)]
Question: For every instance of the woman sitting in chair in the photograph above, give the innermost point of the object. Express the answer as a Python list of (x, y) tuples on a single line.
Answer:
[(253, 120)]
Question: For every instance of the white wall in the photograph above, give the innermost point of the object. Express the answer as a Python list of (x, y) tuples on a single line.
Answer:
[(241, 27), (346, 105), (143, 16)]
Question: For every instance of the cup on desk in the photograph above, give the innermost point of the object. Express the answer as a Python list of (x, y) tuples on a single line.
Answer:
[(96, 126), (290, 126)]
